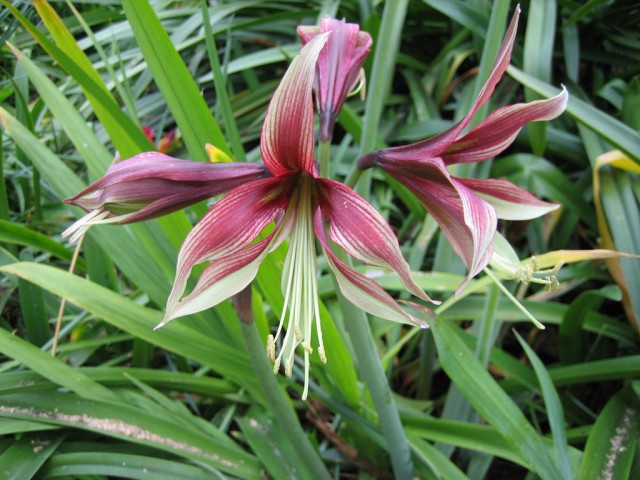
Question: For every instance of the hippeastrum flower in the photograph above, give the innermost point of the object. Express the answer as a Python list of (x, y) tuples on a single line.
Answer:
[(467, 209), (300, 204), (152, 184), (338, 68)]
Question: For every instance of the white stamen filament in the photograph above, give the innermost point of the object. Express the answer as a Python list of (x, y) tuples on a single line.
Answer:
[(300, 289), (94, 217)]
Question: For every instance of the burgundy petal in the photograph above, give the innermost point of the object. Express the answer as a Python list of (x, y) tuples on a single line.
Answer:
[(362, 232), (230, 226), (499, 130), (433, 147), (287, 134), (363, 292), (468, 222), (338, 67), (510, 202), (159, 184)]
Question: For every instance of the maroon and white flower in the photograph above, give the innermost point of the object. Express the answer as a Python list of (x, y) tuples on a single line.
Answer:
[(152, 184), (467, 209), (301, 205), (339, 66)]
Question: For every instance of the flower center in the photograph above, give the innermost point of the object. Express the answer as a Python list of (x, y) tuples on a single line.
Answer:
[(300, 288)]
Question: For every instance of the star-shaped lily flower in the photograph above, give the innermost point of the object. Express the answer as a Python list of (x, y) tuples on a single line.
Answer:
[(152, 184), (301, 205), (339, 66), (467, 209)]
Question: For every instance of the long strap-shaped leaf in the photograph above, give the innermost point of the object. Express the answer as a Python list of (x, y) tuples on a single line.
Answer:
[(139, 321), (155, 429), (482, 391), (182, 95), (128, 139)]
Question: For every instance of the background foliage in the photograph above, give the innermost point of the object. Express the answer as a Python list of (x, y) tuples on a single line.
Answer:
[(482, 394)]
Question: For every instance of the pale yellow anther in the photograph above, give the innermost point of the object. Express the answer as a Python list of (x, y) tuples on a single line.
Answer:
[(271, 348), (307, 347), (323, 357), (288, 368), (276, 365), (298, 333)]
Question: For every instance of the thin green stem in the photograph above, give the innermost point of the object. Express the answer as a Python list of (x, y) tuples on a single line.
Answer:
[(374, 377), (219, 81), (4, 199), (324, 154), (276, 399), (352, 179), (513, 299)]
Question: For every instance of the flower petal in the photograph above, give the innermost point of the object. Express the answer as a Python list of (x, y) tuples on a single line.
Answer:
[(362, 232), (225, 277), (510, 202), (363, 292), (230, 226), (434, 146), (500, 129), (338, 67), (287, 134), (154, 184), (467, 221)]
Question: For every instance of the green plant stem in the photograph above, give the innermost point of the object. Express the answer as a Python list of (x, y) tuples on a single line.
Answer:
[(277, 401), (4, 199), (373, 374), (324, 154), (230, 126), (513, 299)]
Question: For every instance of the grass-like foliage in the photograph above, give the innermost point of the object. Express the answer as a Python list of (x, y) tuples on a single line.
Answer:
[(528, 366)]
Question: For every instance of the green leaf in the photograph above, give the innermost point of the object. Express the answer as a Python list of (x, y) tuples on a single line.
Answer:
[(272, 446), (127, 137), (53, 369), (139, 321), (553, 405), (490, 401), (182, 95), (11, 232), (611, 445), (23, 459), (123, 421)]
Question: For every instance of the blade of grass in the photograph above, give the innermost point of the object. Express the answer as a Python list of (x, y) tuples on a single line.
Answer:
[(128, 139), (23, 459), (123, 421), (139, 321), (490, 401), (537, 59), (611, 444), (50, 368), (179, 90), (219, 80), (553, 405)]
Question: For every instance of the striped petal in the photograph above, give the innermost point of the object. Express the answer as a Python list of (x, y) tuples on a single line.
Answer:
[(152, 184), (338, 67), (468, 222), (228, 228), (363, 292), (433, 147), (287, 134), (510, 202), (500, 129), (362, 232)]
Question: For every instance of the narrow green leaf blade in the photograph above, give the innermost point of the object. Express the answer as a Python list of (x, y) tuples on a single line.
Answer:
[(182, 95), (481, 390), (612, 442), (126, 422)]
